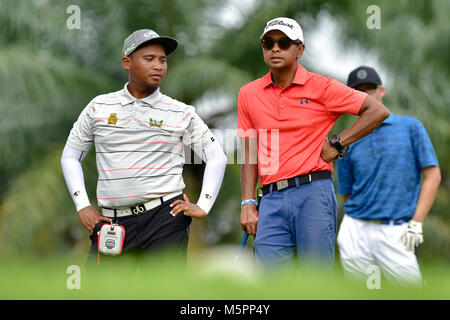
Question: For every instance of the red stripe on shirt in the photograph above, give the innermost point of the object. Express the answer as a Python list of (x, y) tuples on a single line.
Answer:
[(141, 195), (173, 143), (186, 115), (135, 168), (165, 125), (108, 118)]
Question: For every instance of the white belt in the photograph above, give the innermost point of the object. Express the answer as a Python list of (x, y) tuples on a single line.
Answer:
[(139, 208)]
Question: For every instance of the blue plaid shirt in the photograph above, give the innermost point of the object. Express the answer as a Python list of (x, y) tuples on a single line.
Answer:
[(382, 171)]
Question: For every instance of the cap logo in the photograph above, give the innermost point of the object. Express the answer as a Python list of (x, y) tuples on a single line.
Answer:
[(361, 74), (127, 50), (148, 34), (279, 22)]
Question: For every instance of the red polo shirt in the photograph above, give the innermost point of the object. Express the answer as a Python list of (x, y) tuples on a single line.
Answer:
[(291, 124)]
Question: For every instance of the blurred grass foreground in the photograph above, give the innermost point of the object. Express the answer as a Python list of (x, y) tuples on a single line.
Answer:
[(211, 276), (50, 72)]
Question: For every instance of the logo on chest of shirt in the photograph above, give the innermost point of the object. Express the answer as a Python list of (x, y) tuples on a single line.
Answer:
[(304, 101), (155, 123), (112, 119)]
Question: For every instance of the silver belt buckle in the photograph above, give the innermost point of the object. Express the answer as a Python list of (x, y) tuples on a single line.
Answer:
[(282, 184)]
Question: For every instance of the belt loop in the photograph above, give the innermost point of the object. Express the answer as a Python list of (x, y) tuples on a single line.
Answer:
[(271, 187), (297, 182), (162, 200), (309, 177)]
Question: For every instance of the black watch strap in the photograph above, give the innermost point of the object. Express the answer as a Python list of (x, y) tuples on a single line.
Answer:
[(335, 141)]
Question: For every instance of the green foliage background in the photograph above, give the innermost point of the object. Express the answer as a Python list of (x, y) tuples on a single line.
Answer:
[(48, 73)]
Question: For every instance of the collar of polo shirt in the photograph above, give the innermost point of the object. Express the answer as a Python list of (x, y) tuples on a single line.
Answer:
[(299, 78), (126, 97), (390, 119)]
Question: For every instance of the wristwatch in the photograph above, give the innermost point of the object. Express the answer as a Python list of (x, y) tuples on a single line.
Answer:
[(335, 141)]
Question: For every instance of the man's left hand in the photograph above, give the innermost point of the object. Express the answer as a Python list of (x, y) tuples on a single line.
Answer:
[(328, 153), (413, 235), (189, 209)]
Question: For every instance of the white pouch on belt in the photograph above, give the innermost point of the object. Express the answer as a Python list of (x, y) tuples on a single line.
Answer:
[(110, 239)]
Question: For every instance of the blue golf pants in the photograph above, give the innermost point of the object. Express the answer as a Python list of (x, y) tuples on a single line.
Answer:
[(297, 221)]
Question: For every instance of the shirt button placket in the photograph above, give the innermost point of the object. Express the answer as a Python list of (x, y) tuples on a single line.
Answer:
[(281, 102), (133, 113)]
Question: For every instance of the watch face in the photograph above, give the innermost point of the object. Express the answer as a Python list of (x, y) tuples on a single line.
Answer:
[(334, 139)]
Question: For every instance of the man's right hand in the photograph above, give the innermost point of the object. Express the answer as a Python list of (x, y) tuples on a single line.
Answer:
[(89, 217), (249, 218)]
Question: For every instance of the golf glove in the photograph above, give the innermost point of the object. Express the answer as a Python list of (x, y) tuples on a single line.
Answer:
[(413, 235)]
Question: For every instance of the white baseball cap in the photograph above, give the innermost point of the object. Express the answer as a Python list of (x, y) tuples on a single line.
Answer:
[(288, 26)]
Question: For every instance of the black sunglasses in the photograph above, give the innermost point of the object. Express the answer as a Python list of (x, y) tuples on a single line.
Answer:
[(284, 43)]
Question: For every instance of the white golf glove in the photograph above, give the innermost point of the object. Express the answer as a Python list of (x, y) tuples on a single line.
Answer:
[(413, 235)]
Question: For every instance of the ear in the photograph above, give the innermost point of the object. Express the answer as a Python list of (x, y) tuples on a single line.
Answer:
[(300, 51), (382, 91), (126, 62)]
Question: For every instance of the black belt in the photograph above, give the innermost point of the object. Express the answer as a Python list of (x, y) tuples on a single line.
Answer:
[(389, 221), (302, 179)]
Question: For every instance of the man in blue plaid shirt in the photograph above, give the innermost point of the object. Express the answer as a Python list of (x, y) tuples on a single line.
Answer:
[(385, 203)]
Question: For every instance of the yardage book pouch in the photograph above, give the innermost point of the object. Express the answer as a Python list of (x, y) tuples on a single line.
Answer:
[(110, 239)]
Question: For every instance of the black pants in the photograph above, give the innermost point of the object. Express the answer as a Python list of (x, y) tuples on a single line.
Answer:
[(153, 231)]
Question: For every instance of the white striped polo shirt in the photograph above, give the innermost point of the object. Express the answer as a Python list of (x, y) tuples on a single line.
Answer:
[(138, 144)]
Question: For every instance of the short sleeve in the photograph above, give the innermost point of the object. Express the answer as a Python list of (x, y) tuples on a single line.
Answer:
[(245, 127), (345, 176), (197, 134), (340, 99), (423, 148), (81, 135)]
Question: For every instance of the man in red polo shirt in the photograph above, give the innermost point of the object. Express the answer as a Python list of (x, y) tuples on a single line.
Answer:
[(284, 119)]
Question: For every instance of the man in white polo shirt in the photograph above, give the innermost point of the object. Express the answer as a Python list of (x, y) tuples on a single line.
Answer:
[(139, 134)]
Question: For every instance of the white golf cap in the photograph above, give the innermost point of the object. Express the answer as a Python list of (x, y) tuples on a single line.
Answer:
[(288, 26)]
